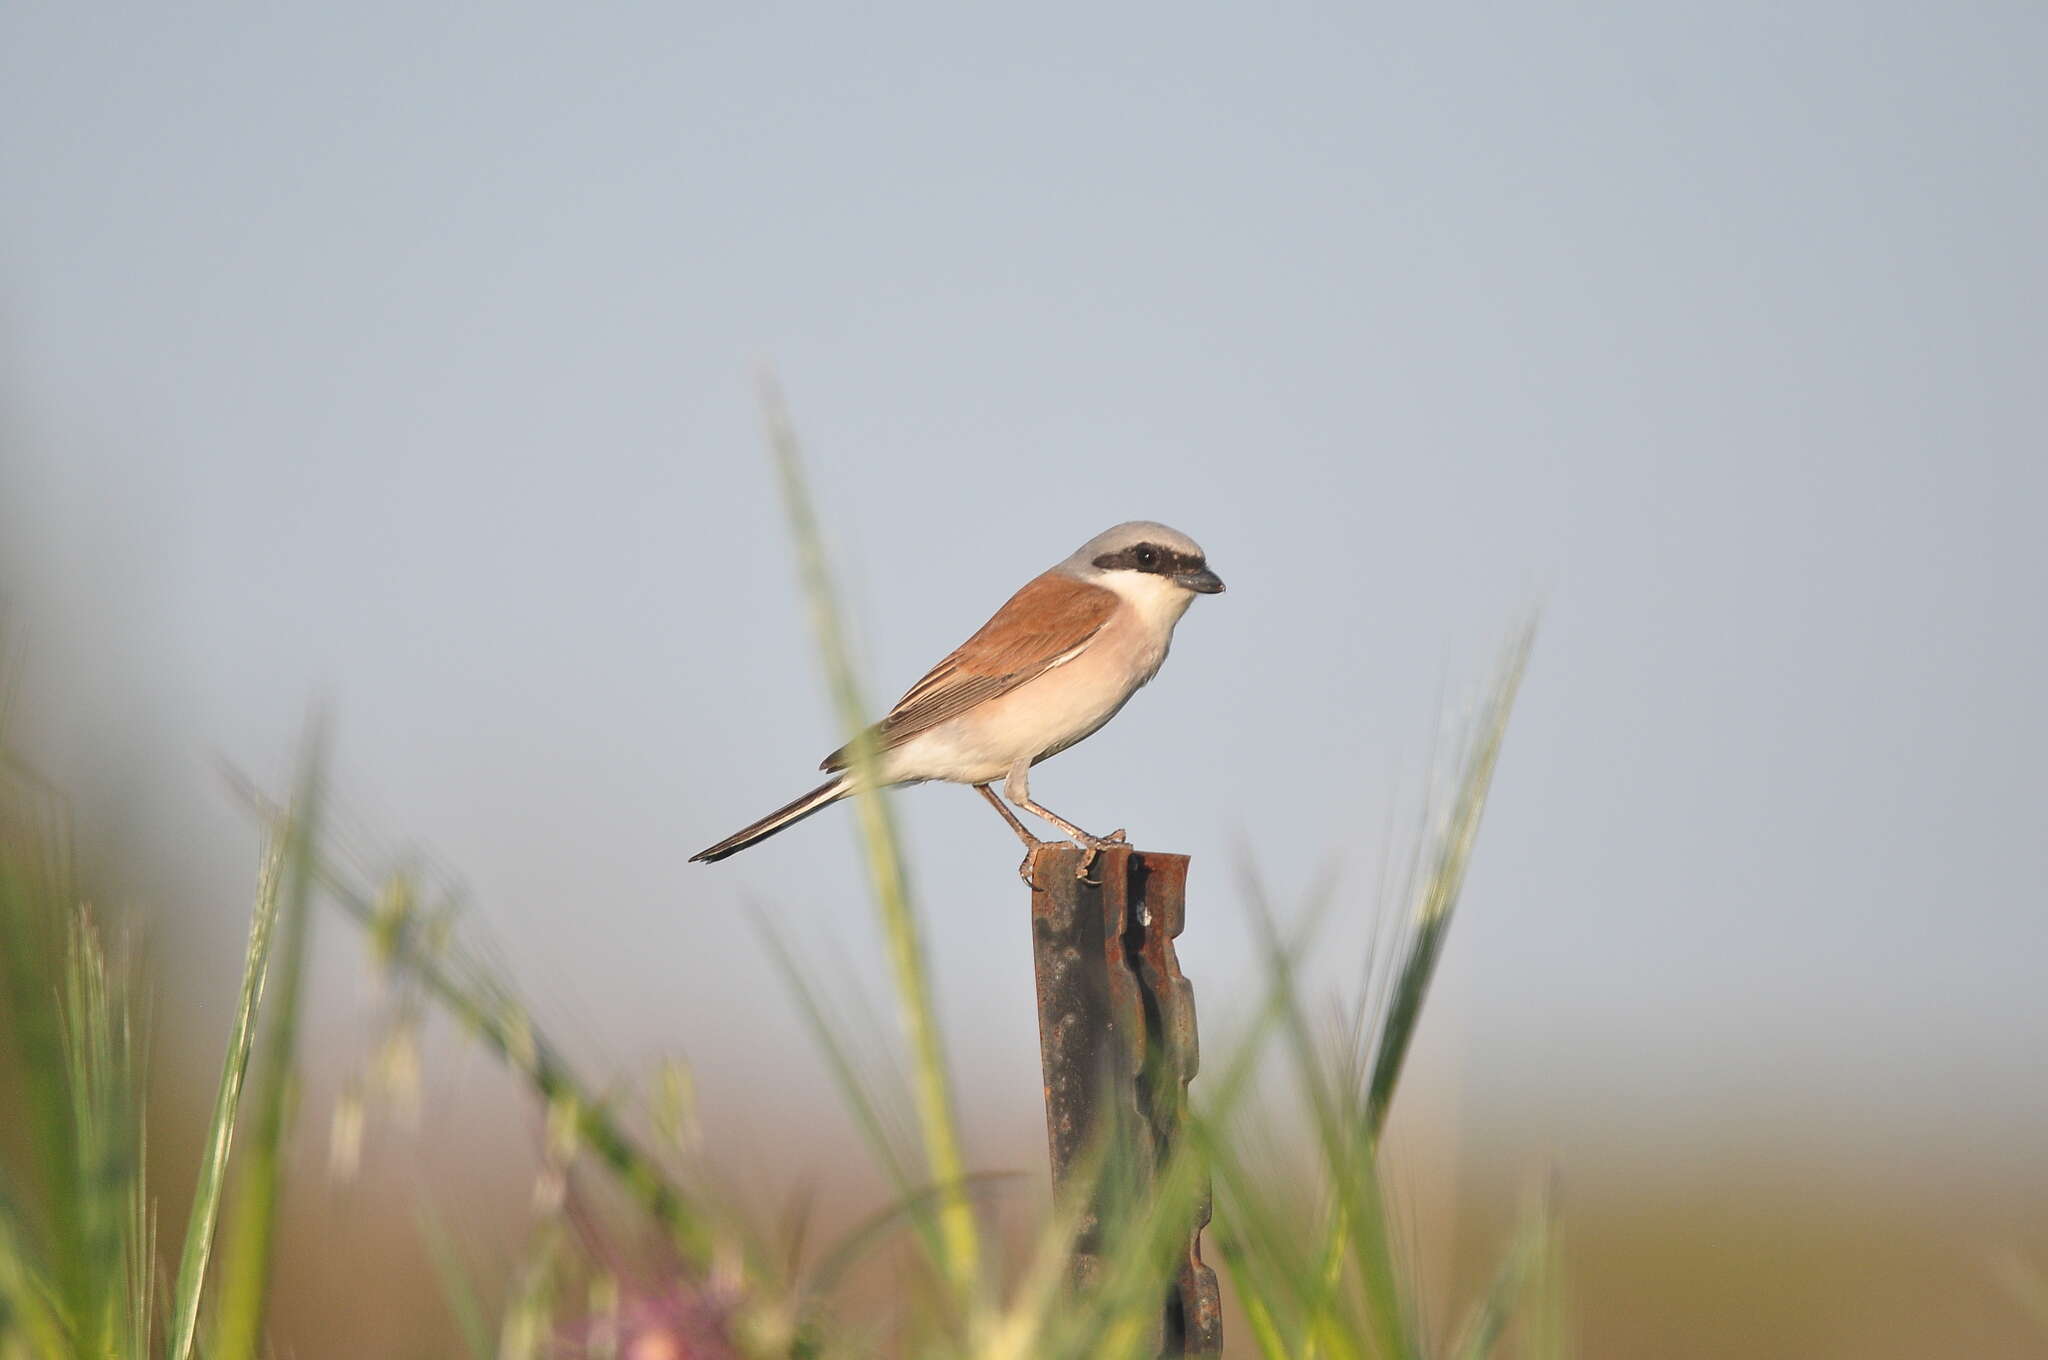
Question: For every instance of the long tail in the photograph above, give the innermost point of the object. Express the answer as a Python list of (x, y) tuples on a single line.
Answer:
[(823, 796)]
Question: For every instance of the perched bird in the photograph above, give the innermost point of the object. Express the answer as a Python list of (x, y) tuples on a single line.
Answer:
[(1054, 664)]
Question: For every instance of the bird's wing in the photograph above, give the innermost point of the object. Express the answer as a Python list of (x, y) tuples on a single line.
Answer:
[(1046, 624)]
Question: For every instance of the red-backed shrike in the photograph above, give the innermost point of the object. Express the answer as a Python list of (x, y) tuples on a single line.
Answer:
[(1054, 664)]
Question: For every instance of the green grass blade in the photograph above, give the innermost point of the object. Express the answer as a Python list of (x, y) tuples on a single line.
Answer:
[(1451, 854), (863, 1237), (29, 1309), (930, 1081), (86, 1269), (1259, 1222), (101, 1074), (526, 1331), (457, 1288), (1355, 1229), (38, 895), (1491, 1316), (249, 1243), (1143, 1231), (1252, 1299), (220, 1132), (142, 1258), (916, 1206), (1546, 1331)]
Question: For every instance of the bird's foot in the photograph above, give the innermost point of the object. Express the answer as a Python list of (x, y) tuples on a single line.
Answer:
[(1032, 845), (1091, 846)]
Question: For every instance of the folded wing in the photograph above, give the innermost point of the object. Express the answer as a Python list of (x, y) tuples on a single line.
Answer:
[(1046, 624)]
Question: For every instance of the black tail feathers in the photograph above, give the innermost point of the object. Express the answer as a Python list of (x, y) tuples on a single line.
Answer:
[(824, 796)]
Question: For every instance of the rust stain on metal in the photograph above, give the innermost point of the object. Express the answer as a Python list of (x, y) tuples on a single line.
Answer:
[(1116, 1026)]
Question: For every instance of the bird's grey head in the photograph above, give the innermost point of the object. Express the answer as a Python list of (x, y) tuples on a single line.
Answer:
[(1145, 549)]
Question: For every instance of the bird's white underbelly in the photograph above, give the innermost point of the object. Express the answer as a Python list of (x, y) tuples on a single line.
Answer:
[(1035, 720)]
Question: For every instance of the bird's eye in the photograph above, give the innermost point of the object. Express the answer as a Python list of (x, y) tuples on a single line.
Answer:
[(1147, 558)]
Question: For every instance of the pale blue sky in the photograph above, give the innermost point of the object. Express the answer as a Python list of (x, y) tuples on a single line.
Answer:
[(403, 355)]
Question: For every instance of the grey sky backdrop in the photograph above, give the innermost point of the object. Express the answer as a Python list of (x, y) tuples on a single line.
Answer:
[(403, 355)]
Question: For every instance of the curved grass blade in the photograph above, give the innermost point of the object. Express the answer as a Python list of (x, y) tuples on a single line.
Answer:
[(930, 1081), (220, 1132), (101, 1071), (457, 1287), (1450, 854), (246, 1254), (1490, 1317)]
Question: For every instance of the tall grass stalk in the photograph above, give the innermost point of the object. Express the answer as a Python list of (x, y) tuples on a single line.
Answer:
[(959, 1237), (91, 1274), (1529, 1261), (80, 1277), (246, 1254), (38, 899), (1435, 896), (220, 1131), (104, 1061)]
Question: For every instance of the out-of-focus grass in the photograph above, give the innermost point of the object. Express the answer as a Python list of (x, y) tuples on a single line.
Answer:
[(959, 1255), (1304, 1238), (191, 1287), (80, 1277), (246, 1263)]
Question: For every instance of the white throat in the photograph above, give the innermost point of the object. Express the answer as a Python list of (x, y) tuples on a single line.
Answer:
[(1156, 600)]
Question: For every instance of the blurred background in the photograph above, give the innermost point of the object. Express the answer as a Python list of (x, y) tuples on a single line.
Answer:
[(401, 358)]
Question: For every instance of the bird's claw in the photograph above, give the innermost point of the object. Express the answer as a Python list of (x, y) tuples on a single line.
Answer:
[(1032, 846), (1091, 847)]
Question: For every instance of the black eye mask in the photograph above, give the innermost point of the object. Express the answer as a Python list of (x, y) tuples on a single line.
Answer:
[(1164, 561)]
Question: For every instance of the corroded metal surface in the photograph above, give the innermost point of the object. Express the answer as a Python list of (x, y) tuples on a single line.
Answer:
[(1116, 1026)]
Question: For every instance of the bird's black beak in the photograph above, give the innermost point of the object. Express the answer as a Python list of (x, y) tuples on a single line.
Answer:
[(1203, 582)]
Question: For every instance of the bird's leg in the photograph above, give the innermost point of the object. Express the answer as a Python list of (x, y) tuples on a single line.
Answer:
[(1017, 789), (1023, 834), (1031, 842)]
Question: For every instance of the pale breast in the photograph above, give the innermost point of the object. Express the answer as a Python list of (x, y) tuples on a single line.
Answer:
[(1043, 716)]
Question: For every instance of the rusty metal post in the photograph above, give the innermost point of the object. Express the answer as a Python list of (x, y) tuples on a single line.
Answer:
[(1116, 1031)]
